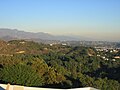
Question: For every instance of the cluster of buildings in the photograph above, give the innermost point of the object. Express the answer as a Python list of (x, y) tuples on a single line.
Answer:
[(106, 51)]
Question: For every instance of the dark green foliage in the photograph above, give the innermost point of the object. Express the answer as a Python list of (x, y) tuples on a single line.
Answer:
[(103, 84), (21, 75)]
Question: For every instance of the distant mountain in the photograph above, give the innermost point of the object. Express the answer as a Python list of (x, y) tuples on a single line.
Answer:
[(10, 34), (8, 38), (22, 34)]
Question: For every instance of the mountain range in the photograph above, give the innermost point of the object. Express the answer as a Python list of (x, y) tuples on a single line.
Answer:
[(11, 34)]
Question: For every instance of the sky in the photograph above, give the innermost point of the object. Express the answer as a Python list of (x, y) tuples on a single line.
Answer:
[(99, 19)]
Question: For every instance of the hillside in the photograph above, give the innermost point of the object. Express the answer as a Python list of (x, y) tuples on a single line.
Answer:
[(58, 66)]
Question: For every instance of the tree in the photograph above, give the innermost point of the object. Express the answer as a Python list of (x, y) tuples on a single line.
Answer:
[(21, 75)]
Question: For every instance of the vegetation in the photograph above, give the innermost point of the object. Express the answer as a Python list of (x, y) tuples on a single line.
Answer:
[(57, 66)]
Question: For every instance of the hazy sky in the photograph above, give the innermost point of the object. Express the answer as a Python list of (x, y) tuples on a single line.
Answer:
[(89, 18)]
